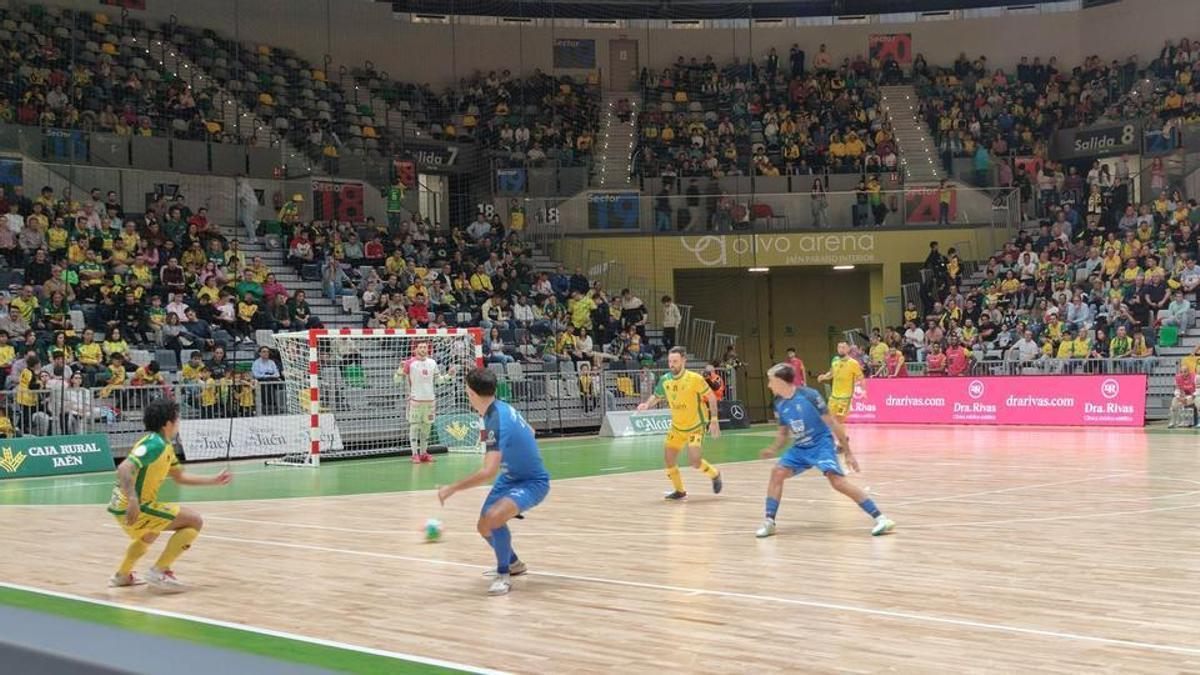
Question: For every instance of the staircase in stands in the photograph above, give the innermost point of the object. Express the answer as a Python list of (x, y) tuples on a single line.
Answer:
[(917, 151), (614, 143)]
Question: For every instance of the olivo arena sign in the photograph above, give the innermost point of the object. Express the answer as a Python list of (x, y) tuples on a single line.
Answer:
[(793, 249)]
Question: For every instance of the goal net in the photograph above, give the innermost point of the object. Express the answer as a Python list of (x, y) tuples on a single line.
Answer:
[(351, 391)]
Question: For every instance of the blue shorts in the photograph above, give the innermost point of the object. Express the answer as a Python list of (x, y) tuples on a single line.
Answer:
[(822, 457), (525, 494)]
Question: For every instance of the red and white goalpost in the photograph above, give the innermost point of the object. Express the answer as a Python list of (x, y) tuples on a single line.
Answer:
[(342, 383)]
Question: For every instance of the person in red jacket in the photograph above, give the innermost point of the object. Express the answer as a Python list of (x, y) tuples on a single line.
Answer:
[(797, 366)]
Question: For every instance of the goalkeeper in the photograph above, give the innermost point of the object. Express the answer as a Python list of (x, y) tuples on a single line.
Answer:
[(422, 374)]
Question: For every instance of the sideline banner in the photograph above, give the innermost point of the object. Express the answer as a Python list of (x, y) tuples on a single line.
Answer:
[(266, 436), (54, 455), (623, 423), (1053, 400)]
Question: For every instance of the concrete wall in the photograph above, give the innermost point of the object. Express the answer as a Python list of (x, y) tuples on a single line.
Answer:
[(354, 31)]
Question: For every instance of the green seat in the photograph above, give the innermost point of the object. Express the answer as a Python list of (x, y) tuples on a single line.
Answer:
[(504, 390), (1168, 336), (355, 377)]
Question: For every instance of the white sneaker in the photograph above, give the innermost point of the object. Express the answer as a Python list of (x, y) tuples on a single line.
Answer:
[(119, 580), (514, 570), (767, 529), (883, 525), (501, 586), (164, 581)]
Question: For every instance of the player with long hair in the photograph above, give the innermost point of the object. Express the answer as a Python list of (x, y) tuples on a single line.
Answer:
[(134, 504)]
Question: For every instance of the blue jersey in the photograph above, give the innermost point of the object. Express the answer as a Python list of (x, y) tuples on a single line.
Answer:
[(506, 432), (802, 415)]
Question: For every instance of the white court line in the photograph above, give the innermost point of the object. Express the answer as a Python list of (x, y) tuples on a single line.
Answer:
[(1015, 488), (612, 468), (573, 533), (249, 629), (816, 604)]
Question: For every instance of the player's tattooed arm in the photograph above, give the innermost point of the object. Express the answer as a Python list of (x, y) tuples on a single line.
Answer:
[(125, 478)]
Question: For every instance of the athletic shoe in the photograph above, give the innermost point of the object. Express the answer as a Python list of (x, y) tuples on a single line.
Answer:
[(767, 529), (416, 458), (883, 525), (675, 496), (1171, 425), (119, 580), (427, 458), (514, 570), (501, 586), (718, 484), (164, 581)]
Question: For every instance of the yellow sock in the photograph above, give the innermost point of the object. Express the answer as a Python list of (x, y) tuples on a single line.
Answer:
[(137, 549), (708, 469), (179, 542), (676, 479)]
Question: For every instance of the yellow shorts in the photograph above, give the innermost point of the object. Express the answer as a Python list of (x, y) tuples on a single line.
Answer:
[(839, 407), (677, 439), (155, 517)]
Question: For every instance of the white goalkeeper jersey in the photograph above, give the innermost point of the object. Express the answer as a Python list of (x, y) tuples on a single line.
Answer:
[(422, 374)]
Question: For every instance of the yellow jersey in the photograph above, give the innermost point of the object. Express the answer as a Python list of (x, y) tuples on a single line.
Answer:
[(685, 396), (846, 373), (154, 458)]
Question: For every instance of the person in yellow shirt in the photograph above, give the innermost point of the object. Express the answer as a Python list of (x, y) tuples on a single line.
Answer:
[(246, 311), (844, 374), (209, 394), (7, 353), (135, 506), (57, 239), (395, 263), (90, 356), (259, 270), (693, 407), (581, 307), (29, 387), (1111, 263), (116, 376), (481, 283), (877, 353), (26, 303), (244, 394)]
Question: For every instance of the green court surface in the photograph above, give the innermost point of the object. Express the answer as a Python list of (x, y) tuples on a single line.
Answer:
[(565, 458), (221, 636)]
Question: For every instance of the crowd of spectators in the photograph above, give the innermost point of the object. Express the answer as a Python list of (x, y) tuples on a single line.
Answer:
[(1084, 291), (764, 118), (980, 112), (75, 72), (95, 282), (531, 120)]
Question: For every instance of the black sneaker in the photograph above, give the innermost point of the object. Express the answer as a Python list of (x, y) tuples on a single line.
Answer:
[(675, 496), (718, 484)]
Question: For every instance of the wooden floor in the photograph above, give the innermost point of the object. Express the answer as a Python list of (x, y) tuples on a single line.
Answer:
[(1038, 551)]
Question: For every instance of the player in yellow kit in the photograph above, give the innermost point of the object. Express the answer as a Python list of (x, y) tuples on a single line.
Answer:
[(693, 407), (844, 374), (134, 500)]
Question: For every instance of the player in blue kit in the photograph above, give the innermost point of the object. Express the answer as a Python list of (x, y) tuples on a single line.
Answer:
[(805, 422), (512, 452)]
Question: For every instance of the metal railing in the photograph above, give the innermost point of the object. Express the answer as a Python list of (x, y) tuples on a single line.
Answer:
[(552, 400), (1036, 367)]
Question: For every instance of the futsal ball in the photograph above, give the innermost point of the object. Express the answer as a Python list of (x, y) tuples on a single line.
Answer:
[(433, 530)]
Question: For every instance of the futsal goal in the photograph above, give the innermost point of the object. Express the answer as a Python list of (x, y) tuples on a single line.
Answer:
[(345, 385)]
